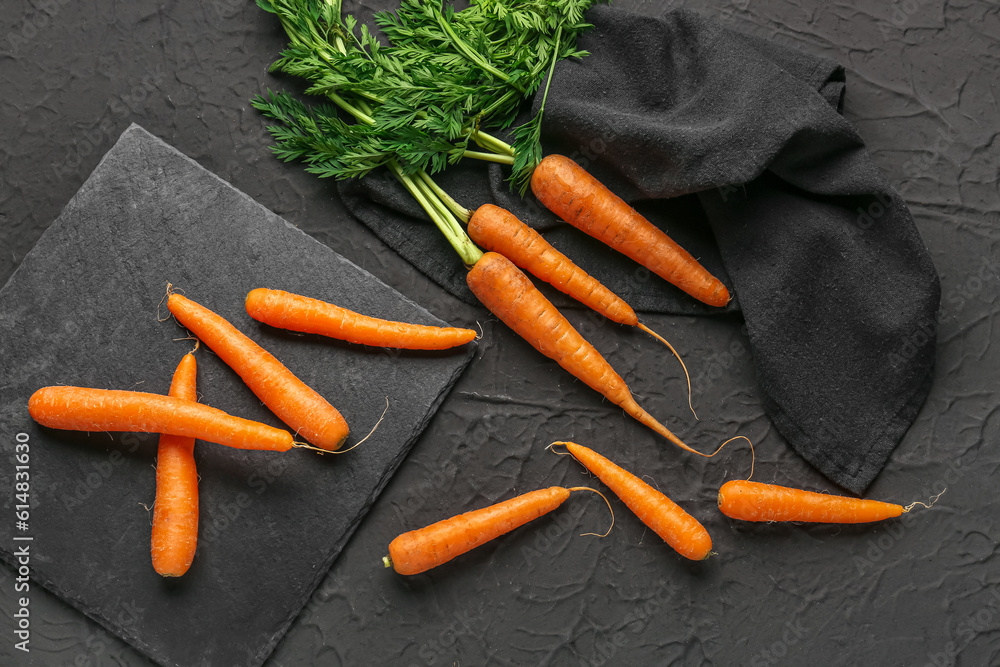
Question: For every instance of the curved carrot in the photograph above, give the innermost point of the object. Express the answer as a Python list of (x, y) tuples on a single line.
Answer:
[(677, 528), (175, 511), (301, 313), (567, 190), (292, 400), (509, 295), (420, 550), (85, 409), (756, 501)]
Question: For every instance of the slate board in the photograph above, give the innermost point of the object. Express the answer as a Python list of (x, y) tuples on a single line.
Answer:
[(82, 309)]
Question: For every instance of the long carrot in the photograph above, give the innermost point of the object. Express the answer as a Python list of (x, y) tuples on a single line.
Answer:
[(677, 528), (175, 511), (567, 190), (292, 400), (300, 313), (85, 409), (756, 501), (509, 295), (499, 230), (420, 550)]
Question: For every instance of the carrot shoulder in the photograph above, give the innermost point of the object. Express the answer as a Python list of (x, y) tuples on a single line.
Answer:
[(511, 296), (756, 501), (679, 529), (573, 194), (501, 231), (85, 409), (420, 550), (175, 511), (301, 313), (291, 399)]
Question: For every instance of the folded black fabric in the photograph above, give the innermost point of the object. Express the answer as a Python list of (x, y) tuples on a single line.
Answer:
[(736, 147)]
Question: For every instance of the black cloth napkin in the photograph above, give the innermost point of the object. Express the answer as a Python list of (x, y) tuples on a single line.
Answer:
[(736, 147)]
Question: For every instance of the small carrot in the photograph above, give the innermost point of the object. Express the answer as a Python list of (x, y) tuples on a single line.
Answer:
[(292, 400), (420, 550), (677, 528), (175, 511), (300, 313), (509, 295), (567, 190), (499, 230), (85, 409), (756, 501)]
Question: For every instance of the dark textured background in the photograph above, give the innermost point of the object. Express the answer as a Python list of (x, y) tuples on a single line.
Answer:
[(922, 90)]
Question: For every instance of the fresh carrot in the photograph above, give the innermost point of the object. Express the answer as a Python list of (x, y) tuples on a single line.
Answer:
[(294, 402), (420, 550), (499, 230), (756, 501), (175, 511), (300, 313), (509, 295), (567, 190), (677, 528), (85, 409)]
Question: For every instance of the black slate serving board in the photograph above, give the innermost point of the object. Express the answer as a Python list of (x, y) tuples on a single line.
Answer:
[(84, 309)]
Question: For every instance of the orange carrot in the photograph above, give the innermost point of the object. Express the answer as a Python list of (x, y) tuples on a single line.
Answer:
[(509, 295), (755, 501), (300, 313), (420, 550), (84, 409), (574, 195), (175, 511), (499, 230), (294, 402), (677, 528)]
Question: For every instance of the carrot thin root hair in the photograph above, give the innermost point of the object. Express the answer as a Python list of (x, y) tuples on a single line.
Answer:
[(305, 445), (676, 354), (933, 499), (587, 488)]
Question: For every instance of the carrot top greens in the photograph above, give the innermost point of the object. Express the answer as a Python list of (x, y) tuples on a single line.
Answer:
[(424, 99)]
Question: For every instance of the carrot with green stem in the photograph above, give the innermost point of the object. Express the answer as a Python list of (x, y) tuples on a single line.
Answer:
[(420, 550), (756, 501), (680, 530), (295, 312), (288, 397), (174, 537), (97, 410)]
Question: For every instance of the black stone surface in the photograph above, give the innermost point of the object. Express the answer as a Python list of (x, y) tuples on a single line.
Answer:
[(84, 309), (924, 590)]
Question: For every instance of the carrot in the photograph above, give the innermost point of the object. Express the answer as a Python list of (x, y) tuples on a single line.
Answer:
[(294, 402), (85, 409), (300, 313), (677, 528), (574, 195), (175, 511), (756, 501), (499, 230), (420, 550), (509, 295)]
